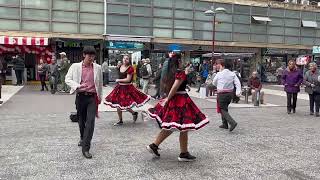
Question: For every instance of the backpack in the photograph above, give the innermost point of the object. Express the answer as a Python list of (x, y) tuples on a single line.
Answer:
[(144, 71)]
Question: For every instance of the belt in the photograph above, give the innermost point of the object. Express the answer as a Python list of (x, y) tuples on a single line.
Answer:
[(86, 93)]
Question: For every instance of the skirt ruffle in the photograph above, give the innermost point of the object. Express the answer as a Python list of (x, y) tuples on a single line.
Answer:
[(180, 113), (126, 97)]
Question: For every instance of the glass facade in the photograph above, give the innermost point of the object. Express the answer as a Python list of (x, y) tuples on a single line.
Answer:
[(166, 18)]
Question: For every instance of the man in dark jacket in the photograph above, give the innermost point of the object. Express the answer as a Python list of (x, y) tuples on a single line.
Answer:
[(18, 67), (156, 81)]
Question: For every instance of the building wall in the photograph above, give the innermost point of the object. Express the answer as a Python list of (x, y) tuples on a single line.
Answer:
[(173, 20)]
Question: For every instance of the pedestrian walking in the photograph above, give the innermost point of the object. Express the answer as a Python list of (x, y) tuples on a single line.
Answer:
[(292, 79), (63, 69), (156, 81), (177, 111), (204, 72), (279, 73), (125, 96), (226, 81), (42, 71), (85, 78), (255, 86), (18, 67), (105, 71), (313, 88), (146, 73), (53, 76)]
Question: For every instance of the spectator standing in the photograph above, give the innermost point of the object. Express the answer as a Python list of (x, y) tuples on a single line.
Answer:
[(63, 69), (105, 71), (18, 67), (53, 76), (204, 71), (42, 71), (279, 73), (255, 86), (312, 87), (146, 73), (292, 79)]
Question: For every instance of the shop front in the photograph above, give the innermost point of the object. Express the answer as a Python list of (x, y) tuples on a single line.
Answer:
[(32, 49)]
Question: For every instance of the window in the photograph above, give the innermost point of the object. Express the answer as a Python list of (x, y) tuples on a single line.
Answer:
[(36, 4), (308, 32), (6, 12), (224, 17), (64, 27), (162, 32), (183, 14), (202, 35), (241, 37), (318, 33), (92, 7), (308, 15), (91, 18), (203, 25), (163, 3), (200, 5), (147, 2), (118, 30), (293, 22), (220, 36), (164, 23), (119, 1), (260, 11), (162, 12), (277, 22), (276, 12), (184, 34), (307, 41), (201, 16), (245, 19), (145, 11), (276, 30), (292, 40), (141, 31), (9, 24), (259, 29), (292, 14), (276, 39), (117, 20), (10, 2), (65, 5), (141, 21), (241, 9), (258, 38), (122, 9), (35, 14), (64, 16), (183, 24), (91, 29), (318, 16), (184, 4), (292, 31), (224, 27), (35, 26), (241, 28)]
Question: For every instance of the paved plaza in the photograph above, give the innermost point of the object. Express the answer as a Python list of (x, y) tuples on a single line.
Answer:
[(38, 141)]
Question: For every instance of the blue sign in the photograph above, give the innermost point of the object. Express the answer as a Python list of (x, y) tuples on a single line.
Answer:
[(175, 47), (124, 45), (316, 50)]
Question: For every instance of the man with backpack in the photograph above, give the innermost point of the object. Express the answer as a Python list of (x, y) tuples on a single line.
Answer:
[(145, 73)]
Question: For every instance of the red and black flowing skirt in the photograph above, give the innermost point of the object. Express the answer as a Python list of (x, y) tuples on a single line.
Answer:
[(180, 113), (125, 96)]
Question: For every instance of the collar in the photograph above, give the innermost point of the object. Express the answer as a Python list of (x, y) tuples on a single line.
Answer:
[(83, 65)]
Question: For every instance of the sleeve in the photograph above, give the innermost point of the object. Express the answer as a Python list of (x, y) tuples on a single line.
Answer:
[(300, 79), (130, 70), (100, 84), (215, 80), (69, 79), (181, 75), (284, 77)]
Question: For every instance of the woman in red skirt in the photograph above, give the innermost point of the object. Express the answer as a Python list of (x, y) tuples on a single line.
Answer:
[(177, 111), (125, 96)]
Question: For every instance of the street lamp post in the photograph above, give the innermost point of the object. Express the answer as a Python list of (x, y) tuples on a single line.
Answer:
[(214, 13)]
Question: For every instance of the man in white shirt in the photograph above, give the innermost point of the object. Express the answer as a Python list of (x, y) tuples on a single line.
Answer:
[(225, 81)]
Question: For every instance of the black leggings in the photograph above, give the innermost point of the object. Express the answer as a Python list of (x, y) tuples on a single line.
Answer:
[(43, 81), (292, 100)]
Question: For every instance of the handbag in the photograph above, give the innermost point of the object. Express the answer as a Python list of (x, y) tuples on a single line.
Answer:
[(308, 89)]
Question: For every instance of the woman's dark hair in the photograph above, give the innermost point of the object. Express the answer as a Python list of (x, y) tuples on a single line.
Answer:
[(89, 50), (169, 76), (225, 64)]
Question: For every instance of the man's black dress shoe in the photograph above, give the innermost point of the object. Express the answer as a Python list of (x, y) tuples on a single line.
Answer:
[(80, 143), (233, 126), (223, 126), (87, 155)]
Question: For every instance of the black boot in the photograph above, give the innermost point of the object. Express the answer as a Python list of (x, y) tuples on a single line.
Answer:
[(289, 110)]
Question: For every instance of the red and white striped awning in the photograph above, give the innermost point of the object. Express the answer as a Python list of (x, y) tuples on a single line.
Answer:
[(31, 41)]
